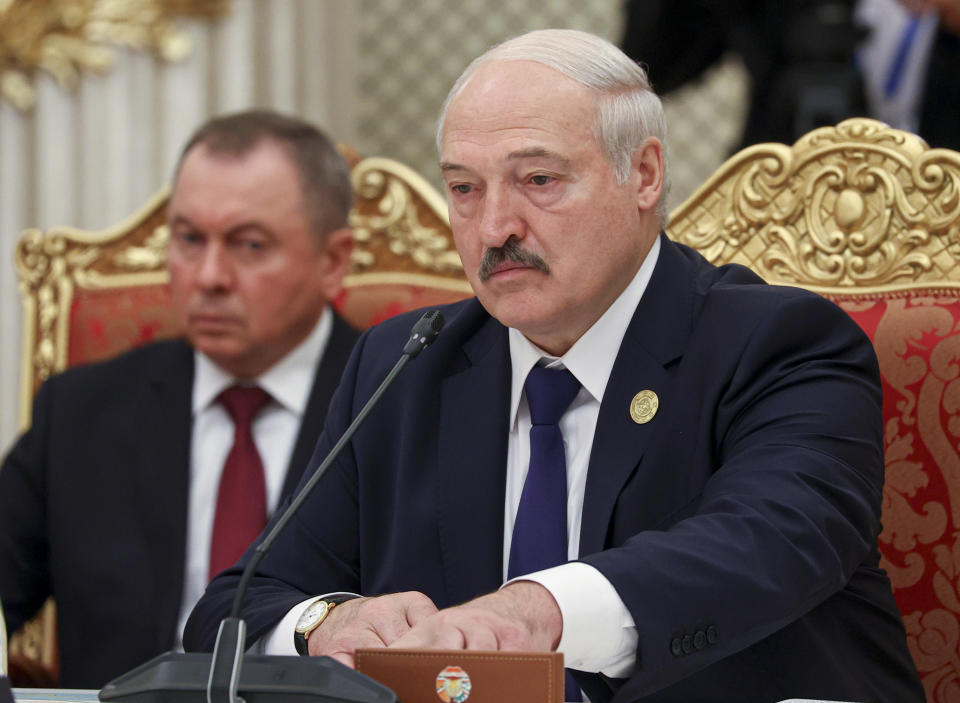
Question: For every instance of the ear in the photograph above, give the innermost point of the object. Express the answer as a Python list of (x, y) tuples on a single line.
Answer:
[(648, 166), (335, 261)]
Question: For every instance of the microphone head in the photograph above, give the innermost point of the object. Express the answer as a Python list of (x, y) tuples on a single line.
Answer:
[(424, 332)]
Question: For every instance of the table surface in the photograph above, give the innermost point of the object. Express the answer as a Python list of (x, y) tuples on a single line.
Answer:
[(49, 695), (76, 695)]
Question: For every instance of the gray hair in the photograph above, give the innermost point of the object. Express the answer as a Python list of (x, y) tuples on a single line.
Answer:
[(628, 111)]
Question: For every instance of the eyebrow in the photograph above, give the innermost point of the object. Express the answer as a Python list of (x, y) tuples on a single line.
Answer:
[(449, 166), (534, 152), (538, 152), (239, 227)]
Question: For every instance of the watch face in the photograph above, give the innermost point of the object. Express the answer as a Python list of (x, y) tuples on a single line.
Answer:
[(313, 614)]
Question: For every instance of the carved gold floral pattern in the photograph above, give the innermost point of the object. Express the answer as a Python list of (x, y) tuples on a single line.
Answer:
[(400, 223), (859, 204), (51, 265), (65, 37)]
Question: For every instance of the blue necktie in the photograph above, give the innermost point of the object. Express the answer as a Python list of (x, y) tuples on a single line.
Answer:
[(540, 530)]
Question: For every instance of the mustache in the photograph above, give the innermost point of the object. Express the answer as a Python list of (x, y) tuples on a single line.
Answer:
[(512, 252)]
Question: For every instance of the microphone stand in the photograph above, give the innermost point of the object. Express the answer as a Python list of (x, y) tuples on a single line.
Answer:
[(224, 678), (228, 651)]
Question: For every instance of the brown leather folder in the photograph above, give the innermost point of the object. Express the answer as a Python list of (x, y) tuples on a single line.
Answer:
[(457, 676)]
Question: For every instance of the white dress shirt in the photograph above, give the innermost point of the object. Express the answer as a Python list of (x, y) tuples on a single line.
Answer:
[(275, 430), (894, 58), (598, 630)]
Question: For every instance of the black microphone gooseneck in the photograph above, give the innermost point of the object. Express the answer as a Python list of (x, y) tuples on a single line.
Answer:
[(228, 651)]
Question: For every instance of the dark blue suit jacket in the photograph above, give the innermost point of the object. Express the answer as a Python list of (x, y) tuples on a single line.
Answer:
[(738, 526)]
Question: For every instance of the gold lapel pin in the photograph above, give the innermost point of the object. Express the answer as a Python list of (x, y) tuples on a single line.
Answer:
[(644, 406)]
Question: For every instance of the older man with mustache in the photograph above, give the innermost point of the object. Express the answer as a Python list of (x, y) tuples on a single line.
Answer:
[(667, 471)]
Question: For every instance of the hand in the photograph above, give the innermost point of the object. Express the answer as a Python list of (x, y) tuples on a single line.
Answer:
[(368, 622), (520, 617)]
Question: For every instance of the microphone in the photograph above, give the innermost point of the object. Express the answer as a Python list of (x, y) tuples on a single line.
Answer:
[(218, 678), (424, 332)]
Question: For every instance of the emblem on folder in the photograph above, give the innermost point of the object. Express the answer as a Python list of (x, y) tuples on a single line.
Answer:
[(644, 406), (453, 685)]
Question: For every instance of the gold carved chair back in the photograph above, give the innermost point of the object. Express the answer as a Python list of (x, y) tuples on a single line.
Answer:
[(869, 217)]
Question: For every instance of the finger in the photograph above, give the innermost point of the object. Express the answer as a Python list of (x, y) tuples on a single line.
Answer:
[(480, 638), (415, 639), (391, 625), (434, 633), (420, 610), (345, 647), (347, 639), (344, 658), (396, 613)]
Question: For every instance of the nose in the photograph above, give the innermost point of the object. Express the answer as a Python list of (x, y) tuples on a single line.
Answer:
[(500, 216), (215, 271)]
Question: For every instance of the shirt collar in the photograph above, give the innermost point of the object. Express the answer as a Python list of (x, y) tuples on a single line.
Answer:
[(288, 381), (591, 357)]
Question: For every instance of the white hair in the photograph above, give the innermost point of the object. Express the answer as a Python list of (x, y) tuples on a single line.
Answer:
[(628, 111)]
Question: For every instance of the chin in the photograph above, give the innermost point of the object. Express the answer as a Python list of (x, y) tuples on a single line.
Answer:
[(222, 351), (525, 320)]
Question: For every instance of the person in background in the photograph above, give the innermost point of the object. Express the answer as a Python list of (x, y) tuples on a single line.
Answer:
[(909, 63), (669, 472), (812, 62), (142, 477)]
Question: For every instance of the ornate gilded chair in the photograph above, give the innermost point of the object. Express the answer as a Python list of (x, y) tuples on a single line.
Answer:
[(870, 217), (90, 295)]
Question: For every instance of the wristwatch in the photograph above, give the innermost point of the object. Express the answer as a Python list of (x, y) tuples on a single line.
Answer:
[(312, 618)]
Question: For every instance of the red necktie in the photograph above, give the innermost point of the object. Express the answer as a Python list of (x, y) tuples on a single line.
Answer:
[(242, 499)]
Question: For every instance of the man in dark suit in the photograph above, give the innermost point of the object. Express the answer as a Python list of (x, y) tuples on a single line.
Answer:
[(714, 444), (114, 501)]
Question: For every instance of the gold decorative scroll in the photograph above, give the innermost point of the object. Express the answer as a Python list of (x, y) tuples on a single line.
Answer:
[(857, 205), (66, 37), (51, 265), (400, 223)]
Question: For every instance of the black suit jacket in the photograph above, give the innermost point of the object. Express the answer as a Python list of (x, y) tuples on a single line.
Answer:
[(738, 526), (93, 503)]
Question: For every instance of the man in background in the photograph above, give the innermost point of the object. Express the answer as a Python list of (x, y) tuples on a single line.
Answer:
[(142, 477), (812, 62), (669, 472)]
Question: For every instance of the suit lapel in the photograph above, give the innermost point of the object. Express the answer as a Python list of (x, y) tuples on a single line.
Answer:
[(655, 338), (335, 355), (164, 414), (472, 451)]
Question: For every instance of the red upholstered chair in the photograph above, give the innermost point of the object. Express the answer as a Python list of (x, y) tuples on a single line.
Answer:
[(90, 295), (870, 217)]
